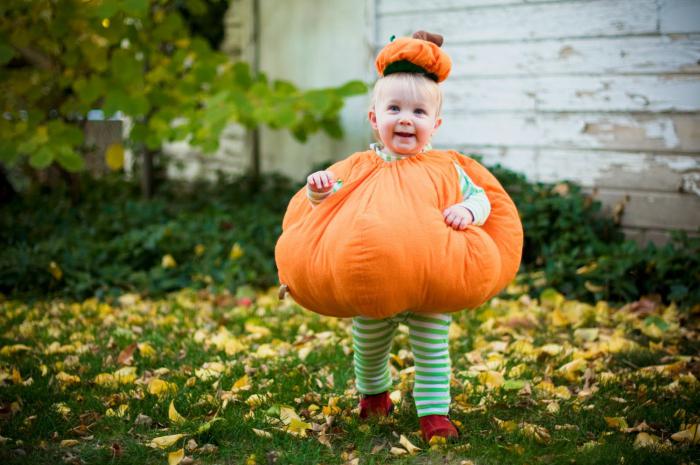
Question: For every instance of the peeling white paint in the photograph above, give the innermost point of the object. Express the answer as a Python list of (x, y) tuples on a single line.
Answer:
[(691, 183), (664, 130), (679, 164)]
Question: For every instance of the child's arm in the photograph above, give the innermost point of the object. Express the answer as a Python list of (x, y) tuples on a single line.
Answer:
[(474, 208), (320, 185)]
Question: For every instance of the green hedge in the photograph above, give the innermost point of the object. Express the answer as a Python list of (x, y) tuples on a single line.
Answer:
[(571, 246), (111, 241)]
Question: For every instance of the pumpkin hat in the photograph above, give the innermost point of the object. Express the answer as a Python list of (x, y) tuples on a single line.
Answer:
[(420, 53)]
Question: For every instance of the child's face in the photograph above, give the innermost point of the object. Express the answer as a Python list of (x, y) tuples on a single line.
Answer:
[(403, 121)]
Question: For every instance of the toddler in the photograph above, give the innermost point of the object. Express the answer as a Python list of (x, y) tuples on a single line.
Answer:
[(405, 113), (380, 236)]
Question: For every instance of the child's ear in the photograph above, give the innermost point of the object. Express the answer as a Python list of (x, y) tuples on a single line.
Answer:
[(372, 116), (438, 122)]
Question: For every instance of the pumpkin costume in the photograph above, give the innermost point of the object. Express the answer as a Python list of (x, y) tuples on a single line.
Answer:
[(339, 259)]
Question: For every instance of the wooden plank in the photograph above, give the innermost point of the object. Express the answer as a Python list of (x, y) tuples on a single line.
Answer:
[(99, 135), (618, 55), (651, 209), (385, 7), (574, 93), (613, 170), (644, 236), (591, 18), (679, 16), (635, 132)]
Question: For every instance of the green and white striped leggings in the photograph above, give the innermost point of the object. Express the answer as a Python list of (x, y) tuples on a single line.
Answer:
[(428, 336)]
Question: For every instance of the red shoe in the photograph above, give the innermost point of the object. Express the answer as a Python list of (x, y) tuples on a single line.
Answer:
[(437, 425), (376, 405)]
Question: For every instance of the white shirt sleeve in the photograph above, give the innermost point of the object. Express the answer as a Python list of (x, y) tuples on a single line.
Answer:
[(474, 198)]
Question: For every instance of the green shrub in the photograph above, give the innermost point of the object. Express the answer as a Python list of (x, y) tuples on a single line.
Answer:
[(112, 240), (571, 246)]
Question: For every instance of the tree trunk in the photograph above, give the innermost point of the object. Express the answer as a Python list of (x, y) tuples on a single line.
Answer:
[(255, 161), (147, 174), (7, 191)]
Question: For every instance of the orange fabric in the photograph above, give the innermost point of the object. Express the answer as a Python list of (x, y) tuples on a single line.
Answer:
[(380, 246), (420, 52)]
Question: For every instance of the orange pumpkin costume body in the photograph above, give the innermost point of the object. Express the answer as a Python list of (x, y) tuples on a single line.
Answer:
[(379, 246)]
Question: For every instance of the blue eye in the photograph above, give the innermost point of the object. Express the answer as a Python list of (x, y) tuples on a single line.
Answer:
[(420, 111), (393, 108)]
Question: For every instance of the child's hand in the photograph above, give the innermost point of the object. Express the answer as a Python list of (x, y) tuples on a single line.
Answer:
[(321, 181), (458, 217)]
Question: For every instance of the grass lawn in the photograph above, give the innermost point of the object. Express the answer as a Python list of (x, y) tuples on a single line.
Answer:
[(202, 378)]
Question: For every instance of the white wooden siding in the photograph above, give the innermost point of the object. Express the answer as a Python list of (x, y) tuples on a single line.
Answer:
[(605, 93)]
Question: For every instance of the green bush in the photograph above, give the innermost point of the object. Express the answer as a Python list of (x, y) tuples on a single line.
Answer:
[(112, 240), (571, 246)]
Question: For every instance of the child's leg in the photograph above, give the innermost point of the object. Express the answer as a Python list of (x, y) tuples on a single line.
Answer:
[(428, 335), (372, 341)]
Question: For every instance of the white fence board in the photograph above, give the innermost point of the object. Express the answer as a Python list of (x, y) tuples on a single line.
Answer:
[(530, 21), (613, 170), (619, 55), (574, 93), (679, 16), (385, 7), (651, 209), (659, 133)]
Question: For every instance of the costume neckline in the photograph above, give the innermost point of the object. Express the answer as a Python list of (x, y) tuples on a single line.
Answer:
[(387, 156)]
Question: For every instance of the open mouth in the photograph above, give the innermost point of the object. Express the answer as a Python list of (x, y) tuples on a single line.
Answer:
[(404, 134)]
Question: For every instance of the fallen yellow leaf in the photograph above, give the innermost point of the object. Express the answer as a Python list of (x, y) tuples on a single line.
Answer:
[(163, 442), (160, 388), (146, 350), (618, 423), (55, 271), (236, 252), (506, 425), (689, 434), (176, 457), (572, 370), (645, 440), (105, 380), (125, 375), (168, 261), (242, 384), (66, 380), (261, 433), (174, 415), (491, 379), (408, 445), (69, 442)]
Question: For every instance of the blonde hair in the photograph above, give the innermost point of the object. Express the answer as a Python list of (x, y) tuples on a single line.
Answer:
[(416, 85)]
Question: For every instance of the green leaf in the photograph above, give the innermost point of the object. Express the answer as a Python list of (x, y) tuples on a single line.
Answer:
[(89, 90), (69, 159), (242, 75), (138, 8), (42, 158), (6, 53), (513, 384), (284, 116), (318, 100), (332, 128), (125, 68), (352, 88), (115, 99)]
